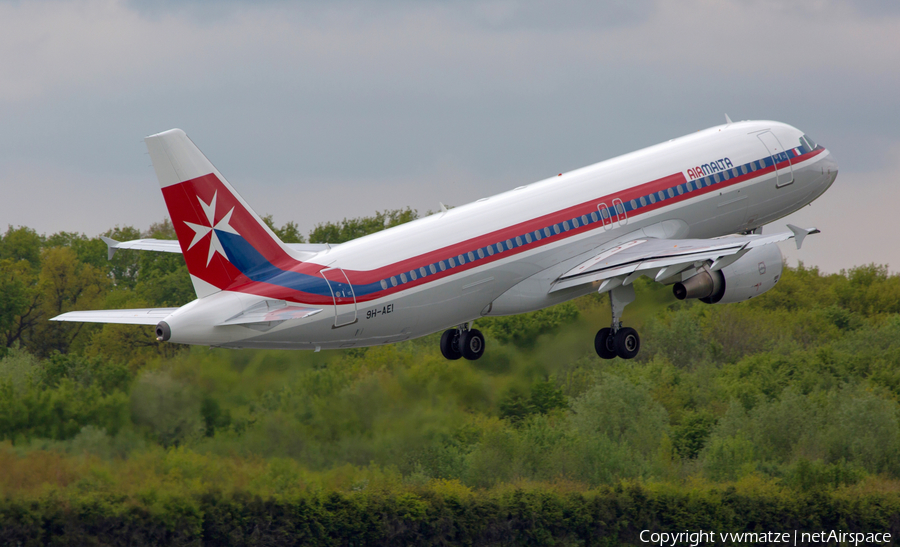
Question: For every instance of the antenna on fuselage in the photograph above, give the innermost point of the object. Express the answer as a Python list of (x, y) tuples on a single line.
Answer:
[(727, 119)]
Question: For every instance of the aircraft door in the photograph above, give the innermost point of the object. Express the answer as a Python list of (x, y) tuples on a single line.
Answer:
[(343, 295), (604, 216), (784, 174)]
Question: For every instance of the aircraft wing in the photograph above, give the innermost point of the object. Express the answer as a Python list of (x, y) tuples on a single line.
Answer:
[(172, 246), (143, 316), (661, 259)]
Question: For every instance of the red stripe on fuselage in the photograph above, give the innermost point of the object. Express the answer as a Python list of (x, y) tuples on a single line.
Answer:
[(361, 277)]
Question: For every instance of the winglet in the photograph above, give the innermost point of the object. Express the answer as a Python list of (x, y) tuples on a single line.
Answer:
[(111, 247), (801, 233)]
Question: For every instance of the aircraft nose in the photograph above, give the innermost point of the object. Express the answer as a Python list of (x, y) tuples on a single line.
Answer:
[(832, 163), (829, 169)]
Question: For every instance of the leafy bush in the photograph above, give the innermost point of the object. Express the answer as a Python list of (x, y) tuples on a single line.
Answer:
[(167, 407)]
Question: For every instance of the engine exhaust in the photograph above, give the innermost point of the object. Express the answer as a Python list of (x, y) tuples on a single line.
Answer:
[(706, 285), (163, 332)]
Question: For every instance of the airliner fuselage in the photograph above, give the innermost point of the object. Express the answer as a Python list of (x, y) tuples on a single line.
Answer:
[(500, 255), (531, 247)]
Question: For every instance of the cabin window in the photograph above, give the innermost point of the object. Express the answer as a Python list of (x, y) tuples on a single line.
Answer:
[(384, 284), (393, 281), (403, 278)]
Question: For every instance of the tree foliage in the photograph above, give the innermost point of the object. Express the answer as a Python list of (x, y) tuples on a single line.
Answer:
[(797, 391), (347, 229)]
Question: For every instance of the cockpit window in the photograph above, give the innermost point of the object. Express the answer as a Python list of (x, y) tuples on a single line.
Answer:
[(811, 144)]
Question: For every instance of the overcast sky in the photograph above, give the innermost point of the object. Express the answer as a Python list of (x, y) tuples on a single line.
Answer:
[(317, 111)]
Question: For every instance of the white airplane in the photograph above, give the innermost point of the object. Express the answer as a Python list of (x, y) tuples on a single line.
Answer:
[(688, 212)]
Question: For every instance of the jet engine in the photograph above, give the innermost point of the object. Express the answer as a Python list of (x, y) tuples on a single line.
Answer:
[(753, 274)]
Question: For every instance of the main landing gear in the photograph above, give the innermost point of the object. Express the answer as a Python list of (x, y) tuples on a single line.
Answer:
[(618, 341), (462, 342)]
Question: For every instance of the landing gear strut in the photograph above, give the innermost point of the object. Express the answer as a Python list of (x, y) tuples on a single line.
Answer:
[(617, 340), (462, 342)]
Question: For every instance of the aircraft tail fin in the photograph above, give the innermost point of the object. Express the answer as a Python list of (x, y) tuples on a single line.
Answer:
[(224, 242)]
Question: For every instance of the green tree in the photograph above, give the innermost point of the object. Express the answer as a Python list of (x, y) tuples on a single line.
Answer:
[(289, 233), (65, 284), (623, 412), (524, 329), (18, 300), (167, 407), (125, 265), (162, 279), (58, 412), (349, 229), (21, 243), (544, 398), (689, 437)]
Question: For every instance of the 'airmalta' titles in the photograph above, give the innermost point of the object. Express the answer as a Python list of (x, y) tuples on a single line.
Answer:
[(709, 168)]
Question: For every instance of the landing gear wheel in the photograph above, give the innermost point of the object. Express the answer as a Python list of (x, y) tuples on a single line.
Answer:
[(605, 344), (471, 344), (628, 343), (450, 344)]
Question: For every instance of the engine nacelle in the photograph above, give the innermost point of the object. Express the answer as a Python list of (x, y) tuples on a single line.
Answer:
[(751, 275)]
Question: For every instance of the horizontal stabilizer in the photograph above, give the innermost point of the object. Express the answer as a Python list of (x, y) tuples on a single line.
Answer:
[(161, 245), (142, 316)]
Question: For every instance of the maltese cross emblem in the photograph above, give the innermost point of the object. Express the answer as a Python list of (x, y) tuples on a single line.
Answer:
[(200, 230)]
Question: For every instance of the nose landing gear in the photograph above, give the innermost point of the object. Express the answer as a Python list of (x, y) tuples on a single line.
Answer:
[(462, 342), (618, 341)]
